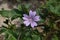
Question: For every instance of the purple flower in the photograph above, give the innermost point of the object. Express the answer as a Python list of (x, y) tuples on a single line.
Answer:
[(31, 19)]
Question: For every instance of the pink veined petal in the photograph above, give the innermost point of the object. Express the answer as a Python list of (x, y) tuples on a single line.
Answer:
[(25, 15), (36, 18), (33, 24), (26, 23), (32, 13), (24, 18)]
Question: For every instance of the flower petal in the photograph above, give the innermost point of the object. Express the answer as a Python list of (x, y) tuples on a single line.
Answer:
[(25, 15), (26, 23), (36, 18), (33, 24), (24, 18), (32, 13)]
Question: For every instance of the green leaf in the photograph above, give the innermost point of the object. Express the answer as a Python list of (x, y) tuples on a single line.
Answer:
[(55, 37), (11, 13), (2, 30), (36, 37), (53, 6), (14, 33), (11, 38), (6, 13)]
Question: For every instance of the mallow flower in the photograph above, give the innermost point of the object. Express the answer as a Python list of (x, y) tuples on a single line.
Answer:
[(31, 19)]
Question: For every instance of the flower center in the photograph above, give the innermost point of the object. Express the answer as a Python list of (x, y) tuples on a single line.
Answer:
[(30, 19)]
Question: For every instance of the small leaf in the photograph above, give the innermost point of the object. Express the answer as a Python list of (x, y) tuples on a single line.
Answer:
[(55, 37), (11, 38)]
